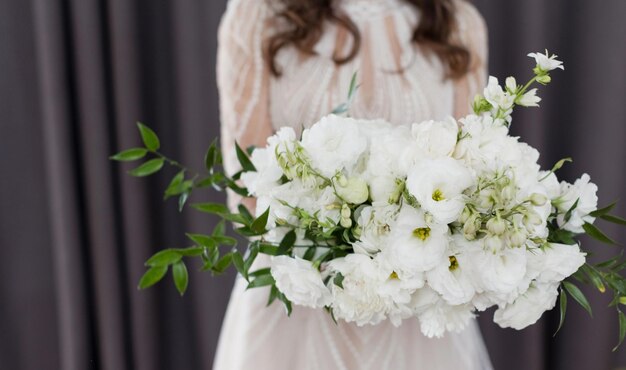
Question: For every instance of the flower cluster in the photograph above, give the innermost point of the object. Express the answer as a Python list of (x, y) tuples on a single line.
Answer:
[(436, 220)]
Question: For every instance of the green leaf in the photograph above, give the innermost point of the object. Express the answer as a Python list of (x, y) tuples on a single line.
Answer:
[(562, 309), (182, 200), (148, 168), (260, 281), (152, 276), (603, 211), (223, 263), (203, 240), (310, 253), (149, 137), (353, 86), (239, 264), (211, 258), (245, 213), (578, 296), (175, 187), (191, 251), (595, 278), (288, 241), (610, 262), (595, 233), (258, 226), (253, 252), (244, 160), (622, 329), (259, 272), (286, 302), (273, 295), (338, 280), (164, 258), (181, 277), (210, 158), (568, 214), (225, 240), (214, 208), (270, 250), (220, 229), (130, 155), (614, 219)]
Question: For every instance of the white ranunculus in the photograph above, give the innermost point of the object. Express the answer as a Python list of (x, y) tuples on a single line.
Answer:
[(583, 191), (300, 282), (333, 144), (435, 138), (267, 174), (438, 186), (354, 190), (528, 307), (546, 62), (557, 262), (496, 96), (415, 245)]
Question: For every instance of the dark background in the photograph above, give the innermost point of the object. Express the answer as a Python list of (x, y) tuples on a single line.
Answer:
[(74, 229)]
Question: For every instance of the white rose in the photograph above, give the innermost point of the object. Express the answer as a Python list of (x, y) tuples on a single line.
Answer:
[(300, 282), (528, 307), (583, 191), (333, 144), (438, 186), (353, 190), (435, 138), (546, 62)]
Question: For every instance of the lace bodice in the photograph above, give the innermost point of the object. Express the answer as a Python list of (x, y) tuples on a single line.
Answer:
[(398, 81)]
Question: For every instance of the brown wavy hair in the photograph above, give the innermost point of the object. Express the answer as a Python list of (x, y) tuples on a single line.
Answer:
[(305, 24)]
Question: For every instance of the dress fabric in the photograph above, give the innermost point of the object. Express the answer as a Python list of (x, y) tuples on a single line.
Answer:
[(398, 82)]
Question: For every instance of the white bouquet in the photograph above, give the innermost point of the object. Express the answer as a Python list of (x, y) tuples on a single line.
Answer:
[(437, 220)]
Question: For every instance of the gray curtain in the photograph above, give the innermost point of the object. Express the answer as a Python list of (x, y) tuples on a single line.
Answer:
[(74, 229)]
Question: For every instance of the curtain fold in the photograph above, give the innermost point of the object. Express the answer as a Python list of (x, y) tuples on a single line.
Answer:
[(75, 76)]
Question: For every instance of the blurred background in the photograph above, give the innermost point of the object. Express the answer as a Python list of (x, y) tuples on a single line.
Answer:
[(75, 76)]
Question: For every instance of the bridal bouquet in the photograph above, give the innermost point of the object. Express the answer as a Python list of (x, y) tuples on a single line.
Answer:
[(373, 221)]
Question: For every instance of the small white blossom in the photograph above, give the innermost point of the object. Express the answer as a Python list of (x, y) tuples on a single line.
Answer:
[(546, 62)]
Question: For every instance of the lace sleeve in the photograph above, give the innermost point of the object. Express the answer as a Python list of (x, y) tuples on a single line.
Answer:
[(242, 81), (473, 35), (242, 78)]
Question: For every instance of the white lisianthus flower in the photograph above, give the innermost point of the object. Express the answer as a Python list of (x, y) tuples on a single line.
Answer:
[(438, 185), (300, 282), (333, 144), (435, 138), (353, 190), (583, 191), (546, 62), (496, 96), (416, 245), (556, 262), (267, 174), (453, 280), (359, 300), (528, 307), (436, 316), (529, 99)]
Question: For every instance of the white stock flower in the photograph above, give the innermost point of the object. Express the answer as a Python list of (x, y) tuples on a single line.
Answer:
[(267, 174), (496, 96), (529, 99), (583, 191), (300, 282), (333, 144), (435, 138), (528, 307), (414, 244), (438, 185), (546, 62)]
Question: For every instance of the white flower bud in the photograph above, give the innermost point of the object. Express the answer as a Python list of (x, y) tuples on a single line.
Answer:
[(518, 238), (471, 227), (496, 225), (342, 181), (493, 243), (511, 85), (507, 193), (345, 211), (538, 199), (531, 218), (465, 215)]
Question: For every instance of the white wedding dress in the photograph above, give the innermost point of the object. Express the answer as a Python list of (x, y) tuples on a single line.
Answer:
[(254, 104)]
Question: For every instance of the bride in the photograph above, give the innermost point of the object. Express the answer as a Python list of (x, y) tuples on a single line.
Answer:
[(290, 62)]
